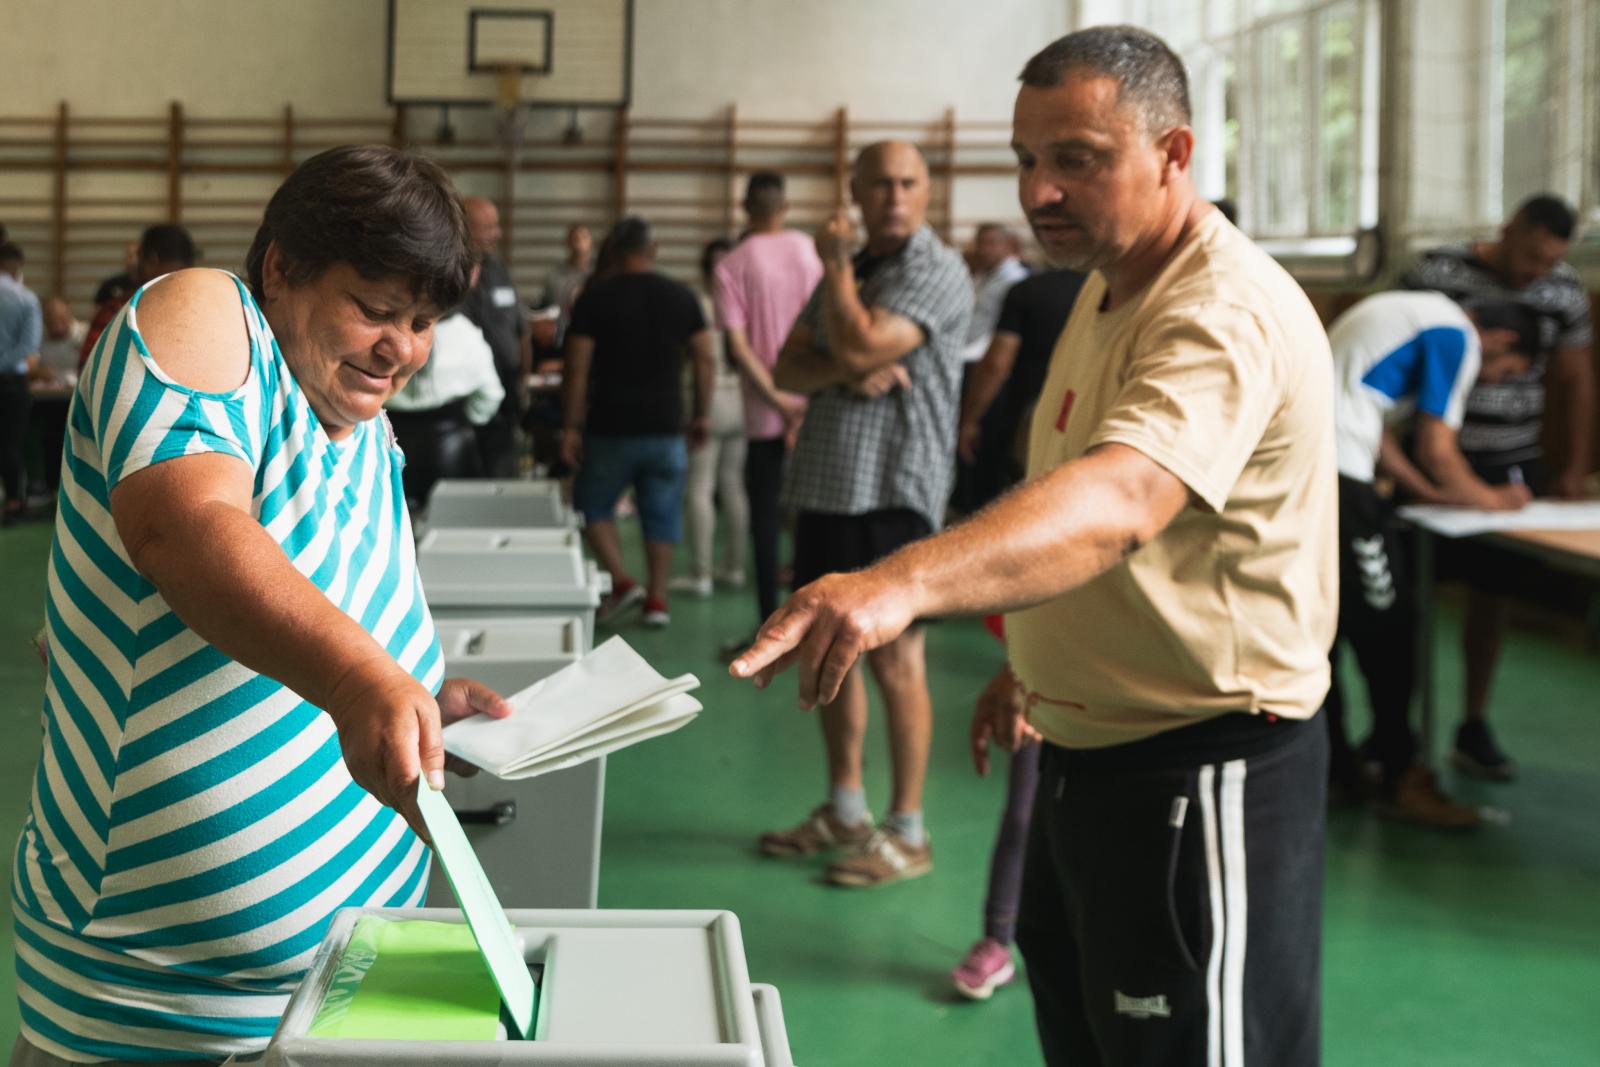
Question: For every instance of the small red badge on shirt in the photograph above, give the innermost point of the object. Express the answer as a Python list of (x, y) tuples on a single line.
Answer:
[(1066, 409)]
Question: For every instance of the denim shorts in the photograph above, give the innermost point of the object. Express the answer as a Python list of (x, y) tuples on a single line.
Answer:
[(654, 466)]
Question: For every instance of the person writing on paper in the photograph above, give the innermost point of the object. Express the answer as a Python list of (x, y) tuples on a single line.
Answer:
[(244, 682), (1404, 361)]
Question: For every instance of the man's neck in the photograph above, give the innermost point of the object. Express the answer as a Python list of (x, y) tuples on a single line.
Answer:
[(1145, 260), (577, 262), (772, 225)]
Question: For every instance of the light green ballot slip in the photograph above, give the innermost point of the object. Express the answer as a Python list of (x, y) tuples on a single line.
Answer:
[(410, 980), (501, 948)]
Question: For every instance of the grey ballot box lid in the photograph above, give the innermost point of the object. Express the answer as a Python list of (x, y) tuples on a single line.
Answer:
[(620, 989), (506, 503), (507, 572)]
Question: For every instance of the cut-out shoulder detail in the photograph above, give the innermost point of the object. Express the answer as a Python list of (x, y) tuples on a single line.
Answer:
[(192, 322)]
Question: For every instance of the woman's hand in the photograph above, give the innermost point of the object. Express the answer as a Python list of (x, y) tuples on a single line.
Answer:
[(461, 698), (389, 727)]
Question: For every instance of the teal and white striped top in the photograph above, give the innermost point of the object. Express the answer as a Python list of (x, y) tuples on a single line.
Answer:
[(193, 827)]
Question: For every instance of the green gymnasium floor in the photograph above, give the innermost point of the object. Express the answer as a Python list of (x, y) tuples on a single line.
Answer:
[(1439, 950)]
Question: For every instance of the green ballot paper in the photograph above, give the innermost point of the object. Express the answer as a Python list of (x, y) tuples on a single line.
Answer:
[(410, 980), (498, 942)]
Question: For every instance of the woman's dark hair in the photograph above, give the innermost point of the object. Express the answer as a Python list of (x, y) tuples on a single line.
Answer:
[(708, 255), (387, 213)]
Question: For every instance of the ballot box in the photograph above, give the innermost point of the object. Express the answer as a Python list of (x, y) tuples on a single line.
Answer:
[(613, 989), (538, 838), (498, 503), (497, 538), (509, 572)]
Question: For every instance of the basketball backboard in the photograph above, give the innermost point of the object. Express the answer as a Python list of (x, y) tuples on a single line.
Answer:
[(569, 53)]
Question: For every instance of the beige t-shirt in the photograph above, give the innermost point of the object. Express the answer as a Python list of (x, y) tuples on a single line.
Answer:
[(1218, 370)]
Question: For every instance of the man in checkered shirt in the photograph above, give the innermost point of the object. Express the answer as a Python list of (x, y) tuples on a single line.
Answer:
[(878, 351)]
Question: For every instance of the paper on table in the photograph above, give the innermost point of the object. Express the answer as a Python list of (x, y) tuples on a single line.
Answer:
[(604, 687), (498, 942), (1539, 515)]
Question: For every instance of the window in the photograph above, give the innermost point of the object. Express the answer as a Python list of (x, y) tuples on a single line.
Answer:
[(1502, 107), (1262, 74)]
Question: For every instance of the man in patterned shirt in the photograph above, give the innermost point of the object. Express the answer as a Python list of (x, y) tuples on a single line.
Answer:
[(878, 351), (1503, 429)]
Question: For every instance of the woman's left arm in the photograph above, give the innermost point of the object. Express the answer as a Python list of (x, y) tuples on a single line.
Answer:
[(187, 526)]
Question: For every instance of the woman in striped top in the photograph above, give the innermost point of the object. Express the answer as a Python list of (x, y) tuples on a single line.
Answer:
[(244, 682)]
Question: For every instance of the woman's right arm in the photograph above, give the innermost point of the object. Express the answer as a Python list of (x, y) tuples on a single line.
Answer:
[(187, 526)]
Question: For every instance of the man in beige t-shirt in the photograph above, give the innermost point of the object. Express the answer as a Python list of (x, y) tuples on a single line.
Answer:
[(1171, 573)]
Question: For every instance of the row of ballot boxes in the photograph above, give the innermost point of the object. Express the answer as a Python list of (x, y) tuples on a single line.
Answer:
[(514, 600)]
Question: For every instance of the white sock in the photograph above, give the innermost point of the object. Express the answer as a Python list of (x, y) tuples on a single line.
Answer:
[(908, 825), (849, 805)]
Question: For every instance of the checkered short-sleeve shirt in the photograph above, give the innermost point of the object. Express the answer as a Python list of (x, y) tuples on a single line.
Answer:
[(857, 455)]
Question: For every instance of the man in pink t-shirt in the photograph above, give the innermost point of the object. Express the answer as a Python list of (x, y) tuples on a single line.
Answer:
[(760, 288)]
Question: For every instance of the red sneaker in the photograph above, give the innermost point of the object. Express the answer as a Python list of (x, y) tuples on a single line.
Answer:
[(656, 615)]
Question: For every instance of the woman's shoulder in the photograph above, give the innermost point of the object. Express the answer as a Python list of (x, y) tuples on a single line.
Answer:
[(192, 323)]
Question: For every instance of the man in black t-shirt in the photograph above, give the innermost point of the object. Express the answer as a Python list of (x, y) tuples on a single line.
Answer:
[(1003, 387), (493, 307), (624, 419), (1521, 273)]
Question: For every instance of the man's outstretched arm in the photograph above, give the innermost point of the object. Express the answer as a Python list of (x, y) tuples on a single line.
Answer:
[(1044, 538)]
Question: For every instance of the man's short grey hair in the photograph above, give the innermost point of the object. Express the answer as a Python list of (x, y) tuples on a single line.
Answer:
[(1149, 75)]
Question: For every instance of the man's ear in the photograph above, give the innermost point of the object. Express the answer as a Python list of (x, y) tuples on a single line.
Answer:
[(1178, 147)]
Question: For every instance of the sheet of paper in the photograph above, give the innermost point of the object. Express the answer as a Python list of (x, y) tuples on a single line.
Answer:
[(410, 979), (498, 942), (1539, 515), (592, 747), (608, 684)]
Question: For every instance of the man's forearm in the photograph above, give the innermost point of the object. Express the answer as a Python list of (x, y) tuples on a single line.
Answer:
[(1580, 414), (1393, 461), (845, 319), (987, 378), (575, 390), (752, 370), (807, 371), (1039, 541)]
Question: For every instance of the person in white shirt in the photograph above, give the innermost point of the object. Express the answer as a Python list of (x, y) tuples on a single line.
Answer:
[(996, 269), (1403, 365), (58, 351), (50, 381), (434, 414)]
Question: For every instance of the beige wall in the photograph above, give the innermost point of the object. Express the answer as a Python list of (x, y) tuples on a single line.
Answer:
[(777, 58), (216, 57)]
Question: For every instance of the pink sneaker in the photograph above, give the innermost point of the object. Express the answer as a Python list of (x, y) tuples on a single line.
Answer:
[(986, 968)]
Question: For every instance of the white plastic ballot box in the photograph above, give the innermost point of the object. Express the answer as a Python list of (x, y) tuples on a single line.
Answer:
[(504, 503), (500, 573), (617, 989), (538, 838), (497, 538)]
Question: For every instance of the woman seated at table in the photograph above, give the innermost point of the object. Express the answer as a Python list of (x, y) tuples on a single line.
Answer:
[(244, 682)]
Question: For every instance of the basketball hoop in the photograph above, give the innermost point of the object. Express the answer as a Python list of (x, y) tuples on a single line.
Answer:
[(512, 108)]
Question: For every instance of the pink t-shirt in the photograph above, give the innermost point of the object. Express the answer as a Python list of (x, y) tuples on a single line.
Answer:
[(761, 287)]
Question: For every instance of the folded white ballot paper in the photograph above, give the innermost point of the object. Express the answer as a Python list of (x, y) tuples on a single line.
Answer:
[(607, 700)]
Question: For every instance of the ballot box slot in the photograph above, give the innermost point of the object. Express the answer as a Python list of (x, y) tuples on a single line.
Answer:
[(501, 813)]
